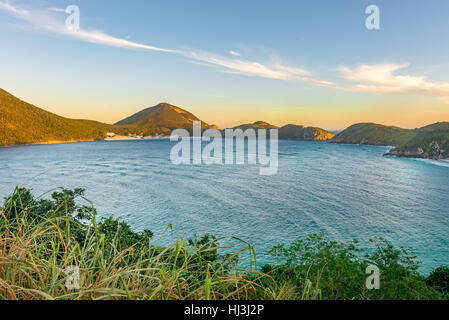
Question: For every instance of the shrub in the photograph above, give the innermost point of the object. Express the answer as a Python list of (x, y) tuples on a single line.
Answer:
[(439, 279), (337, 269), (40, 239)]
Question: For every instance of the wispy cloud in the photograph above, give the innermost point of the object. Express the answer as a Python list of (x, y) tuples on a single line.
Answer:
[(376, 78), (46, 20), (57, 9), (382, 78), (12, 9), (252, 68), (235, 53), (105, 39), (49, 20)]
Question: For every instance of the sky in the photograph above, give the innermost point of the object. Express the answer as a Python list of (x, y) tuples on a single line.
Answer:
[(230, 62)]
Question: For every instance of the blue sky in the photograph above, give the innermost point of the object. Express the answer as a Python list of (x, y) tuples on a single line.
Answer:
[(232, 62)]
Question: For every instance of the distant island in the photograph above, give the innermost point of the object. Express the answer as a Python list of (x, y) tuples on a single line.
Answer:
[(22, 123)]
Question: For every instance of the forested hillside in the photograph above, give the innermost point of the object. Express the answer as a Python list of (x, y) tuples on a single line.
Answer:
[(23, 123)]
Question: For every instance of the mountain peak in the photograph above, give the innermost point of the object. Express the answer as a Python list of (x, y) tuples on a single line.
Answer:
[(261, 123), (256, 125), (160, 119), (164, 105)]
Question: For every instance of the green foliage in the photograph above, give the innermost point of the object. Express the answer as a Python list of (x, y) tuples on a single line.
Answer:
[(319, 260), (290, 131), (160, 119), (207, 242), (338, 269), (22, 204), (295, 132), (428, 142), (63, 204), (23, 123), (39, 238), (373, 134), (431, 141), (439, 279), (120, 232), (399, 274), (207, 253)]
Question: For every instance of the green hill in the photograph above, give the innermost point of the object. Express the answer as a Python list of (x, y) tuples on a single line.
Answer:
[(161, 119), (372, 134), (290, 131), (431, 141), (295, 132), (23, 123), (256, 125)]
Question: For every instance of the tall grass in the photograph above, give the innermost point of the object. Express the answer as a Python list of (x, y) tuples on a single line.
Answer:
[(42, 243), (36, 252)]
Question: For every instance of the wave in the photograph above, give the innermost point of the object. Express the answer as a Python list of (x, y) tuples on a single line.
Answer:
[(441, 163)]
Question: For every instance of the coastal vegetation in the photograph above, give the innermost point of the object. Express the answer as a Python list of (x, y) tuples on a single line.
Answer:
[(256, 125), (23, 123), (290, 131), (41, 240), (430, 142), (372, 134), (295, 132), (161, 120)]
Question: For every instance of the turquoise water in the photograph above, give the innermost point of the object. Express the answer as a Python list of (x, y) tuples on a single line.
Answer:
[(346, 191)]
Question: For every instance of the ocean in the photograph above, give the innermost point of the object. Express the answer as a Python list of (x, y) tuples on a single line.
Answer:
[(344, 191)]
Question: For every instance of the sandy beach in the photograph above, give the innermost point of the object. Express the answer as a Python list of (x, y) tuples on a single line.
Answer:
[(122, 138)]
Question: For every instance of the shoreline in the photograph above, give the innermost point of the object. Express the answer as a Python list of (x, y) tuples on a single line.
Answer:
[(116, 138), (444, 161), (44, 143), (121, 138), (128, 138)]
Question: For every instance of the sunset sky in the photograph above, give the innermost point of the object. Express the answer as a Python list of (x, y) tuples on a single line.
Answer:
[(231, 62)]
